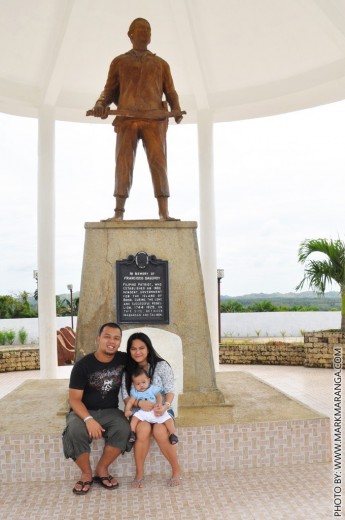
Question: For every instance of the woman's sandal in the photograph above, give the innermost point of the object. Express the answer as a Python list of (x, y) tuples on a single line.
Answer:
[(109, 478), (82, 491), (173, 439), (137, 483), (173, 482)]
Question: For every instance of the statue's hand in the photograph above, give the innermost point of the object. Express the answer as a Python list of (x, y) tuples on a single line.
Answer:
[(101, 111), (178, 119)]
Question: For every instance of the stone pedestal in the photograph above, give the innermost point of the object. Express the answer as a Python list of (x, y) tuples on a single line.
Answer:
[(176, 242)]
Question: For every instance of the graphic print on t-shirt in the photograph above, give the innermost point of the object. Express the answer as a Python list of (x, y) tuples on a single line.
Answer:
[(106, 380)]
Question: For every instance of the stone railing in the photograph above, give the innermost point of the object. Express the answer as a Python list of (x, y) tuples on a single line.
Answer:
[(319, 347), (19, 358), (273, 353), (316, 351)]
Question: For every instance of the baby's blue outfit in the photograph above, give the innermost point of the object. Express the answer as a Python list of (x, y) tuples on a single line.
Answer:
[(148, 395)]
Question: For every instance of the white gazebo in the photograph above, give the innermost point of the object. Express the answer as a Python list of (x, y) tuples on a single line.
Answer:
[(230, 59)]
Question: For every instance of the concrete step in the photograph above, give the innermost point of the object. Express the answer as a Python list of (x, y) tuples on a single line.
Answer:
[(38, 457), (265, 428)]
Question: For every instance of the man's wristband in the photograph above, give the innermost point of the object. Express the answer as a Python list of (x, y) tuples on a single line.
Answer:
[(87, 418)]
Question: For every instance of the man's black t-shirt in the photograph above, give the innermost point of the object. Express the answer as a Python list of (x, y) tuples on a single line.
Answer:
[(99, 381)]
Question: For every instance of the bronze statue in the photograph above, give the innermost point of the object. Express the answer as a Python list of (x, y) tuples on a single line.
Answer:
[(137, 81)]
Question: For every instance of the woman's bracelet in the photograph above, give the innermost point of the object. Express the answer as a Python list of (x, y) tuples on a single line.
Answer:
[(87, 418)]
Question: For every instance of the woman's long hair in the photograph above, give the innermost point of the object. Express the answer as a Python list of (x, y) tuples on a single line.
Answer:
[(152, 358)]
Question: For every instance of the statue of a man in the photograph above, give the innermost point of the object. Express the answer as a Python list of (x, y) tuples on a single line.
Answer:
[(136, 84)]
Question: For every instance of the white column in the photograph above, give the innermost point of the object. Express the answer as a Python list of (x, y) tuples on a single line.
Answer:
[(208, 250), (46, 243)]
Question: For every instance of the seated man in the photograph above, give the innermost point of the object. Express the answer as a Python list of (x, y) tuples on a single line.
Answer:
[(93, 398)]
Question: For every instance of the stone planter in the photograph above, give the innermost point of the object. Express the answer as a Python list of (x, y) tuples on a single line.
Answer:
[(316, 351), (319, 347), (19, 358), (253, 353)]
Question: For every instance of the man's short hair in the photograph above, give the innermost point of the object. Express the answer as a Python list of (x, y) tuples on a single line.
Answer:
[(111, 324)]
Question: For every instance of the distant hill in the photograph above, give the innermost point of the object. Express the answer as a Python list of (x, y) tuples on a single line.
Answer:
[(330, 300), (65, 296)]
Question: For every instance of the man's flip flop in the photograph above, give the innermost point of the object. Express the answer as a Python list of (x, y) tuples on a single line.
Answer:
[(109, 478), (82, 491)]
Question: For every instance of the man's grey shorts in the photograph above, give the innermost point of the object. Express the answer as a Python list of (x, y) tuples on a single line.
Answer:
[(75, 437)]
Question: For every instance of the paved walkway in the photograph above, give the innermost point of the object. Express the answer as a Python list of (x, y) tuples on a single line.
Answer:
[(288, 492), (311, 386)]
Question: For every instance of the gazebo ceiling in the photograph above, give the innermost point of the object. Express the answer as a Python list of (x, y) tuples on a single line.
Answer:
[(238, 58)]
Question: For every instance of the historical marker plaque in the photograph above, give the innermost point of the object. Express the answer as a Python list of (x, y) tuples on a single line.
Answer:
[(142, 294)]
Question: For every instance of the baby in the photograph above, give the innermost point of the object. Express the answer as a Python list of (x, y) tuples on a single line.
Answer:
[(143, 390)]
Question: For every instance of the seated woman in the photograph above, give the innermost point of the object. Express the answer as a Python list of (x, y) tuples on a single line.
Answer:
[(142, 354)]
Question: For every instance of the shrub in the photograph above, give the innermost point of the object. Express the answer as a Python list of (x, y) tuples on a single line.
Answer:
[(22, 335), (3, 337), (10, 336)]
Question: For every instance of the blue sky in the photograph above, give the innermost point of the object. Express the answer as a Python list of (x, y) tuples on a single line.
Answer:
[(278, 180)]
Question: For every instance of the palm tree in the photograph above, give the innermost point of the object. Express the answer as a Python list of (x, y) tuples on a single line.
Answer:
[(63, 307), (320, 272)]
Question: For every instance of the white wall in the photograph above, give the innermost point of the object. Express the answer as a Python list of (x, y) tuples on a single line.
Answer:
[(243, 324), (274, 323), (31, 326)]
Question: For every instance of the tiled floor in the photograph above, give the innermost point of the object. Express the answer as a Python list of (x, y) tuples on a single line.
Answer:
[(287, 492), (301, 493)]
